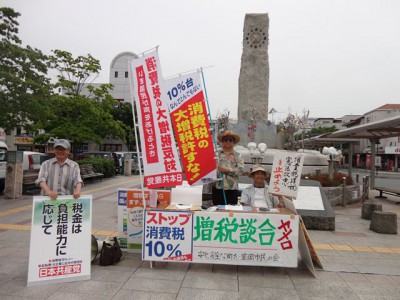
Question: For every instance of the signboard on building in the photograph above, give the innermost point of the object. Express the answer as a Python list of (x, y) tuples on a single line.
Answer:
[(392, 150), (23, 140)]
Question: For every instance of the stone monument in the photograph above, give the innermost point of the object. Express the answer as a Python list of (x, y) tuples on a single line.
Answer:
[(253, 125), (254, 70)]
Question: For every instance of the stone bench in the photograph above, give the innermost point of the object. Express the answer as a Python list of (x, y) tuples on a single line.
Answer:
[(384, 222), (368, 209), (88, 173)]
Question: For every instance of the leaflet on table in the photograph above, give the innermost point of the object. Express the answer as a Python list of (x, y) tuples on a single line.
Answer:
[(235, 207), (175, 206)]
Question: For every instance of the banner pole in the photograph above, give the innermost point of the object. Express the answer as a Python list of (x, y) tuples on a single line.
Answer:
[(136, 126), (212, 130)]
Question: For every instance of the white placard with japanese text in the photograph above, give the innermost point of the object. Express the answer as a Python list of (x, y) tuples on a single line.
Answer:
[(286, 174), (245, 239), (167, 235), (60, 240)]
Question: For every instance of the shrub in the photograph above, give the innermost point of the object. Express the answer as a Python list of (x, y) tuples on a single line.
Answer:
[(326, 182), (100, 165)]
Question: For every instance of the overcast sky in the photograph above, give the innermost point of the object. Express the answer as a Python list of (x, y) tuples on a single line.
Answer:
[(330, 57)]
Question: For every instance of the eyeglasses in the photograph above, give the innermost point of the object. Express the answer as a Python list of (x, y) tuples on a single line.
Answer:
[(228, 139)]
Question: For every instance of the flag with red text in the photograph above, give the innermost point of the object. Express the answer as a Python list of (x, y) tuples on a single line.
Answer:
[(187, 107), (160, 156)]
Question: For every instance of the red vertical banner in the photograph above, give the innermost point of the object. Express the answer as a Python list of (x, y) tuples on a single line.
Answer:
[(160, 157), (368, 161), (187, 107)]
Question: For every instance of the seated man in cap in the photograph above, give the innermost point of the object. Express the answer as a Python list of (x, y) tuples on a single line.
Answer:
[(230, 166), (257, 194), (60, 175)]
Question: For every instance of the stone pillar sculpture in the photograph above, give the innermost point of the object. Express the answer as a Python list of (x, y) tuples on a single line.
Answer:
[(254, 71)]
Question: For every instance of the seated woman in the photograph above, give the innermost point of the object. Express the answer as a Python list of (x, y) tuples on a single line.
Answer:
[(257, 194)]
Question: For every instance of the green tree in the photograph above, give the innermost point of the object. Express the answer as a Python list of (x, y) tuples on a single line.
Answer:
[(123, 113), (74, 115), (322, 130), (24, 86), (74, 73)]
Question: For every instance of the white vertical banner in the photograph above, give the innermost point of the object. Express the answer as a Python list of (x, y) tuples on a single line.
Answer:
[(160, 156), (286, 174), (60, 240)]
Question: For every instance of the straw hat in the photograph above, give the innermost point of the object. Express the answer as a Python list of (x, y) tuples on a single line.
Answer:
[(257, 168), (229, 133)]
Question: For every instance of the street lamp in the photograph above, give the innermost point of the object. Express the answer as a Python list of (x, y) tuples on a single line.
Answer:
[(262, 148), (332, 155)]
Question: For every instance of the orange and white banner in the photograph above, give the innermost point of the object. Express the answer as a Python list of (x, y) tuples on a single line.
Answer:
[(160, 156), (187, 106)]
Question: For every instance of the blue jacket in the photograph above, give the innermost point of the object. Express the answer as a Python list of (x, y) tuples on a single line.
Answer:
[(249, 193)]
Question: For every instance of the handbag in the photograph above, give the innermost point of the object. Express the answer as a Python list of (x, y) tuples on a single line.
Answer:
[(110, 253)]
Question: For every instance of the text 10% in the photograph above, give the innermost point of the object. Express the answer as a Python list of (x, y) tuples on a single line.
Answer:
[(159, 249), (176, 90)]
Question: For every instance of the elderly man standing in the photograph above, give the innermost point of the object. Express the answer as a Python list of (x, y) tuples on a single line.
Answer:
[(60, 175)]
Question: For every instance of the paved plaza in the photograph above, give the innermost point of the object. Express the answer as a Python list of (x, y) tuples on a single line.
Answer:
[(358, 263)]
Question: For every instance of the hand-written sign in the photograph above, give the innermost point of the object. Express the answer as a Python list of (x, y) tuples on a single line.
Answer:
[(286, 174)]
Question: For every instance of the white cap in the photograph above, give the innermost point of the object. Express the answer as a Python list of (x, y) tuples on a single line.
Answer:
[(62, 143)]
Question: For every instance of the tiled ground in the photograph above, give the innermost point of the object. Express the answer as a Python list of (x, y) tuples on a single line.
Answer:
[(358, 264)]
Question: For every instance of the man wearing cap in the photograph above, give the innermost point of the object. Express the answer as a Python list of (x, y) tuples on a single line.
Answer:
[(257, 194), (60, 175), (230, 166)]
